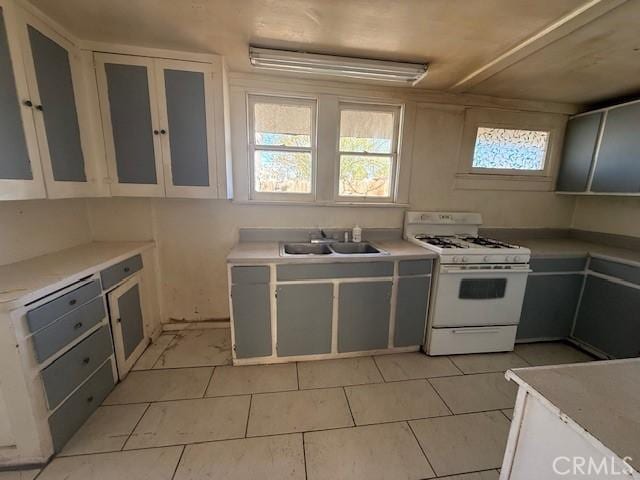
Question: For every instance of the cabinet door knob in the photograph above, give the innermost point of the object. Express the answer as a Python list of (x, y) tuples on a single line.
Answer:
[(163, 131), (86, 360), (156, 132), (39, 107), (90, 399), (77, 326), (28, 103), (72, 301)]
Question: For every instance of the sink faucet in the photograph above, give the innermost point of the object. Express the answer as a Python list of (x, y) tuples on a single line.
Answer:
[(322, 239)]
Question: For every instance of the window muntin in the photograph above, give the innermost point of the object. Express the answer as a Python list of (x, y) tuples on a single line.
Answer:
[(282, 144), (367, 151), (509, 150)]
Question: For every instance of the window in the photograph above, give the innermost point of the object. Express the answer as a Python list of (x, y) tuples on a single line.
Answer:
[(367, 151), (282, 147), (506, 149)]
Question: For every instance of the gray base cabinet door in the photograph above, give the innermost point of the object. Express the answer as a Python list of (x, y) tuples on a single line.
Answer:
[(304, 319), (251, 319), (608, 318), (549, 306), (411, 311), (363, 316)]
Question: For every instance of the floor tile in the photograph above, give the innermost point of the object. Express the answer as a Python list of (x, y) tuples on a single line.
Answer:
[(150, 464), (486, 475), (391, 402), (367, 453), (190, 421), (408, 366), (552, 353), (463, 443), (508, 413), (338, 373), (488, 362), (151, 355), (197, 348), (161, 385), (476, 393), (278, 458), (229, 380), (301, 411), (106, 430), (19, 475)]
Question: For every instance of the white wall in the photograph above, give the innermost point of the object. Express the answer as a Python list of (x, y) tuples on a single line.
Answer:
[(35, 227), (618, 215)]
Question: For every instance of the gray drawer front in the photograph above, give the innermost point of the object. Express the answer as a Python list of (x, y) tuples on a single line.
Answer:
[(120, 271), (572, 264), (60, 333), (250, 275), (618, 270), (70, 370), (415, 267), (335, 270), (65, 421), (49, 312)]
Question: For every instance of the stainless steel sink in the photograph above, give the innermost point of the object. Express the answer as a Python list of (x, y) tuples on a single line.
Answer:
[(361, 248), (305, 249)]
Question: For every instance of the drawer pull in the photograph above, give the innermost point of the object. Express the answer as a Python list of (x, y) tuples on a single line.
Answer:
[(77, 326), (90, 399), (86, 360), (127, 269), (73, 301)]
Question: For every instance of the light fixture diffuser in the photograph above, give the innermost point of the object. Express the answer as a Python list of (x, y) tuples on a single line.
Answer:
[(313, 63)]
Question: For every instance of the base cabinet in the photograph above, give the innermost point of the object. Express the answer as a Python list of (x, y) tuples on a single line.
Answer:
[(363, 316), (251, 305), (608, 318), (411, 311)]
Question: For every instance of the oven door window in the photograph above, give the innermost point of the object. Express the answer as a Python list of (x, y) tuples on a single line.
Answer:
[(482, 288)]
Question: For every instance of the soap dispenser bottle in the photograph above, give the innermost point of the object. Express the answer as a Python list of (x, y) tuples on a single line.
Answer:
[(356, 234)]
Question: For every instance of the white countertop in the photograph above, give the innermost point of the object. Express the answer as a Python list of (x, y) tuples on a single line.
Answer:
[(601, 397), (269, 252), (24, 281)]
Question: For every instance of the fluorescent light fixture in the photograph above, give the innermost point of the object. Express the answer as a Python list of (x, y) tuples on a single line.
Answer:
[(291, 61)]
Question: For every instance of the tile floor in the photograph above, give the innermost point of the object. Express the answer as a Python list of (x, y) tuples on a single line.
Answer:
[(185, 414)]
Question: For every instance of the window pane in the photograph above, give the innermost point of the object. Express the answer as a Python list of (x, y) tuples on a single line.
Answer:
[(366, 131), (363, 176), (282, 172), (503, 148), (282, 124)]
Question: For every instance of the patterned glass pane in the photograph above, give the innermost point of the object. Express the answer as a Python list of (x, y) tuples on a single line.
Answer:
[(282, 172), (365, 176), (510, 149)]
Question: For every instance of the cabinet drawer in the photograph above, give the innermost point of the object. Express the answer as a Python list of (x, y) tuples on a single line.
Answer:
[(250, 275), (335, 270), (65, 421), (70, 370), (617, 270), (49, 340), (447, 341), (45, 314), (120, 271), (414, 267), (572, 264)]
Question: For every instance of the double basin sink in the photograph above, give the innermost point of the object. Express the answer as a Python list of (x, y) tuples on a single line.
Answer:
[(334, 248)]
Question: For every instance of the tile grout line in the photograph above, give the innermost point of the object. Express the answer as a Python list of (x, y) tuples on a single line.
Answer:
[(297, 377), (163, 352), (304, 457), (440, 396), (246, 427), (206, 389), (420, 446), (346, 397), (175, 470), (134, 427), (384, 380)]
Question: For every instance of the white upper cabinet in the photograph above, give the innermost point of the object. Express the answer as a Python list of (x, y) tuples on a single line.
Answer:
[(20, 170), (160, 125)]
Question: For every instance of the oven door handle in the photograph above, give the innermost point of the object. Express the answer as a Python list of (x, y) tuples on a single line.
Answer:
[(496, 271), (475, 331)]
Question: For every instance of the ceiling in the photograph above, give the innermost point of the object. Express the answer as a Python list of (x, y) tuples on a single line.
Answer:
[(586, 63)]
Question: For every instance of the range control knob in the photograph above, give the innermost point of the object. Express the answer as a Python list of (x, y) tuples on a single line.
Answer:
[(517, 259), (507, 259), (465, 259), (456, 259), (487, 258)]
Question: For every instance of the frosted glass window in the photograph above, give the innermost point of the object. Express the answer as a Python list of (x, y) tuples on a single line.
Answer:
[(510, 149)]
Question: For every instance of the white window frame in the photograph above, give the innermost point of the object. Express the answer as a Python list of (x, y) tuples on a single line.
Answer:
[(512, 171), (252, 99), (397, 111)]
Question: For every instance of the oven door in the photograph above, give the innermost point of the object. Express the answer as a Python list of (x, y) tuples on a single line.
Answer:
[(469, 297)]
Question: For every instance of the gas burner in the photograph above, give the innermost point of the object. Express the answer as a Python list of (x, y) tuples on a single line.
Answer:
[(487, 242), (440, 241)]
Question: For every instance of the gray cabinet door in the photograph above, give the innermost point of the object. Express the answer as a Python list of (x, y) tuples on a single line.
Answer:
[(618, 164), (251, 319), (58, 106), (131, 123), (411, 311), (608, 318), (187, 127), (304, 319), (131, 319), (577, 154), (549, 306), (14, 156), (363, 316)]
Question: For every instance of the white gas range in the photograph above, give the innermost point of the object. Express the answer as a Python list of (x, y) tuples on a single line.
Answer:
[(478, 285)]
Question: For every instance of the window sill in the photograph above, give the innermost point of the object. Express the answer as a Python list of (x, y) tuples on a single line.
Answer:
[(285, 203), (476, 181)]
